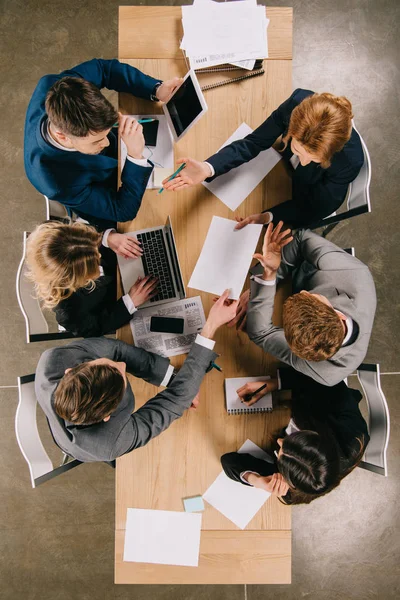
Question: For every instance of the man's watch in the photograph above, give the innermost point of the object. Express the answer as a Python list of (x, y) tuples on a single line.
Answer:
[(153, 96)]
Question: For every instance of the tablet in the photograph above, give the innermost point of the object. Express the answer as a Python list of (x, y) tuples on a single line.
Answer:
[(185, 107)]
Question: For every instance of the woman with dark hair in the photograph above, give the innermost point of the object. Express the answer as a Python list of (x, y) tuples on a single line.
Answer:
[(324, 440)]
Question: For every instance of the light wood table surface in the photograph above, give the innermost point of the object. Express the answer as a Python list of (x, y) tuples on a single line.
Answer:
[(185, 459)]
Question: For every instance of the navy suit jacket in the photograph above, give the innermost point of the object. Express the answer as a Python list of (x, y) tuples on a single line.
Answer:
[(316, 192), (87, 183)]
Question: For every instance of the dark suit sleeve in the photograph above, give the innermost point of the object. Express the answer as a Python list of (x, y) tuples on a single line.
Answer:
[(113, 75), (235, 463), (260, 139), (70, 314), (158, 413)]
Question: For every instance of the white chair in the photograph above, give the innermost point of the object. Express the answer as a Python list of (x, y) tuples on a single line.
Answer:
[(357, 197), (37, 328), (55, 211), (40, 466), (379, 419)]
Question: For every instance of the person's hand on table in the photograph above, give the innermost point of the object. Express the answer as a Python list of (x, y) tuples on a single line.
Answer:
[(195, 401), (194, 172), (274, 241), (241, 313), (124, 245), (220, 313), (274, 484), (143, 289), (167, 88), (258, 219), (251, 387), (132, 134)]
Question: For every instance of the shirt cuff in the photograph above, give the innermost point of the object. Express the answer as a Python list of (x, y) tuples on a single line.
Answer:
[(203, 341), (105, 237), (141, 162), (243, 473), (130, 307), (211, 169), (263, 281), (168, 376), (270, 215)]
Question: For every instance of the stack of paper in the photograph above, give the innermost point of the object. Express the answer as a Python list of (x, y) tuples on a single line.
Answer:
[(230, 32)]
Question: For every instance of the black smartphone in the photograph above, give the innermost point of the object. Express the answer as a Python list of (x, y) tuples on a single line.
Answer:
[(167, 324), (150, 131)]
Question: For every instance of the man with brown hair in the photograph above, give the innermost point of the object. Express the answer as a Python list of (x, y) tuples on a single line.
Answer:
[(70, 149), (327, 323), (84, 391)]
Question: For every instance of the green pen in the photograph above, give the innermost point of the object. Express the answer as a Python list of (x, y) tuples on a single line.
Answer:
[(183, 165), (139, 121)]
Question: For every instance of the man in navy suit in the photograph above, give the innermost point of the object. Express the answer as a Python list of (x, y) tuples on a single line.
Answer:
[(70, 149)]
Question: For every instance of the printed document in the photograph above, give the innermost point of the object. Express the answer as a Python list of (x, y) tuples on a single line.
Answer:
[(233, 188), (169, 344), (162, 537), (238, 502), (225, 258)]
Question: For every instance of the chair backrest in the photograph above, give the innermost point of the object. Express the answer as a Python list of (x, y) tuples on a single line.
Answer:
[(37, 328), (40, 466), (357, 197), (379, 419), (55, 211)]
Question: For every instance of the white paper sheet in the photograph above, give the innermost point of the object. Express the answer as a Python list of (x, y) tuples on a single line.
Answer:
[(161, 155), (169, 344), (237, 502), (162, 537), (233, 188), (225, 258)]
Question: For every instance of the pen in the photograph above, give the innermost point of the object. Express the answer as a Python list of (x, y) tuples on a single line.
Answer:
[(183, 165), (139, 121), (250, 396)]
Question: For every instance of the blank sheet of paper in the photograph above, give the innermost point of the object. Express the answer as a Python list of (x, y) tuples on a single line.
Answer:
[(225, 258), (162, 537), (236, 501), (233, 187)]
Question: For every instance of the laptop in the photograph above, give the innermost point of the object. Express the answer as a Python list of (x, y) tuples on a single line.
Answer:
[(159, 259)]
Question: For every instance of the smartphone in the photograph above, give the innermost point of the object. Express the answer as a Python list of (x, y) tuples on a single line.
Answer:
[(167, 324), (150, 131)]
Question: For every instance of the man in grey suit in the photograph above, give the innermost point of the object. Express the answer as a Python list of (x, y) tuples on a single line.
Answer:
[(327, 323), (83, 389)]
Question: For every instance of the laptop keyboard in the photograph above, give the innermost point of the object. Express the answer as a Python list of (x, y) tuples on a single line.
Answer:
[(155, 262)]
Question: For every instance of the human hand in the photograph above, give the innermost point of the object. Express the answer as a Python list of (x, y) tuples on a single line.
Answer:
[(194, 172), (132, 134), (274, 484), (258, 219), (124, 245), (249, 388), (195, 401), (222, 312), (274, 241), (143, 289), (167, 88), (241, 312)]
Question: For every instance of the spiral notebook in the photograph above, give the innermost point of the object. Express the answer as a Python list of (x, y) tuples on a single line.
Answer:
[(234, 406)]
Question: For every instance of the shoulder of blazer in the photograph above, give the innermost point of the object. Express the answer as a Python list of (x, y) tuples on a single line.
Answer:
[(299, 95)]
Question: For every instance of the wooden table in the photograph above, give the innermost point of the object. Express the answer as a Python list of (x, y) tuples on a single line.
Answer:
[(185, 459)]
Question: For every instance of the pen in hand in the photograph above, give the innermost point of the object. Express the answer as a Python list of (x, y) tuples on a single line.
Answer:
[(179, 169), (248, 397)]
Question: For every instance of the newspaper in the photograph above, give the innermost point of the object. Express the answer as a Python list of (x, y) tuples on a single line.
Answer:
[(169, 344)]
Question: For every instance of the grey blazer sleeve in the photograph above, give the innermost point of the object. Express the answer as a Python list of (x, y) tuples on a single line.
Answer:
[(159, 412), (272, 339)]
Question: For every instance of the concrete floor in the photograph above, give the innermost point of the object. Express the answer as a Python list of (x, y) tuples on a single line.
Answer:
[(57, 541)]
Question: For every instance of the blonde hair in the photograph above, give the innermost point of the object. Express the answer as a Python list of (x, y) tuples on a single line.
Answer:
[(62, 258), (322, 124)]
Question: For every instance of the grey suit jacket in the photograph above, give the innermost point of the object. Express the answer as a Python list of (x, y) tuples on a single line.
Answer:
[(124, 431), (321, 267)]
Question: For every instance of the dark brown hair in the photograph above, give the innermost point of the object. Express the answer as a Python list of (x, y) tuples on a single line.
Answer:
[(89, 393), (77, 107), (312, 329), (322, 124)]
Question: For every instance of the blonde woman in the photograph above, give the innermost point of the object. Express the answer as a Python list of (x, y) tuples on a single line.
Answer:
[(320, 147), (74, 270)]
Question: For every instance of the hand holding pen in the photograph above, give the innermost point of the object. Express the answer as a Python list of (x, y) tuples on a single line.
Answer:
[(252, 392)]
